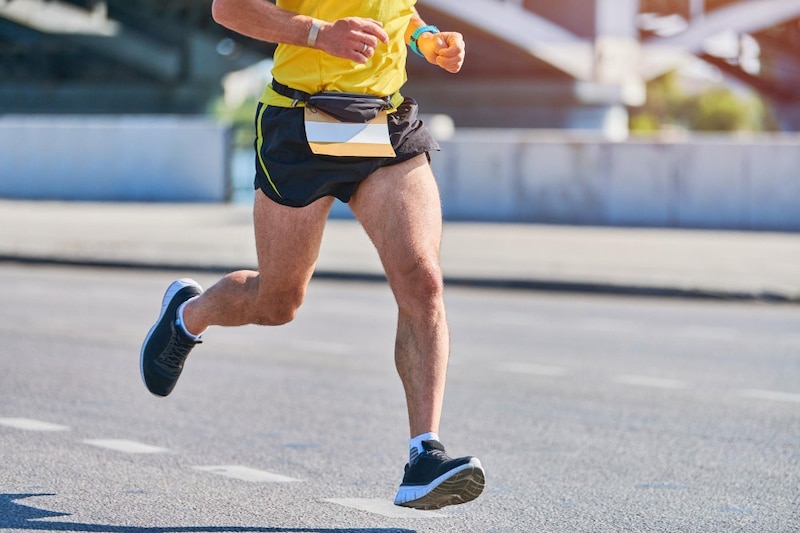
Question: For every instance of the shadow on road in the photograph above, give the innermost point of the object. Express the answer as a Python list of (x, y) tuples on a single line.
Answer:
[(14, 515)]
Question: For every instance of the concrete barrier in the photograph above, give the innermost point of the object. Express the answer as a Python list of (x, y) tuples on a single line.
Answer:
[(562, 177), (119, 158), (721, 182)]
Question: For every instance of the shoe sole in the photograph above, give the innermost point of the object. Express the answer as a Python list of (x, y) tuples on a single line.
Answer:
[(172, 290), (460, 485)]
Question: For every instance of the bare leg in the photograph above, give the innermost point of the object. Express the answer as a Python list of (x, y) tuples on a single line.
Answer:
[(400, 211), (287, 244)]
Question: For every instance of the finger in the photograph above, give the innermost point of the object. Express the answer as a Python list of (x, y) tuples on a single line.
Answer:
[(449, 64), (357, 57), (374, 29), (366, 50), (453, 45), (453, 51), (449, 52), (368, 39), (358, 53)]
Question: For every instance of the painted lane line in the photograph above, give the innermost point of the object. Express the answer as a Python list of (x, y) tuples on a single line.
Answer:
[(649, 381), (244, 473), (533, 369), (30, 424), (775, 396), (383, 508), (125, 446), (662, 485)]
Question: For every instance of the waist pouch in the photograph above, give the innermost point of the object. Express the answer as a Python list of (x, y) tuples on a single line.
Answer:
[(347, 107)]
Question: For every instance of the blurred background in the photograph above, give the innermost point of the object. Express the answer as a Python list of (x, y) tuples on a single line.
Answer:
[(658, 113)]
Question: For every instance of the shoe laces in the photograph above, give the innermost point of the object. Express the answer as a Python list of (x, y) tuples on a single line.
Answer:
[(439, 454), (176, 352), (435, 449)]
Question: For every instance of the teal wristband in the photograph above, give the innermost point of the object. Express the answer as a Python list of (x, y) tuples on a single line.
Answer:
[(414, 36)]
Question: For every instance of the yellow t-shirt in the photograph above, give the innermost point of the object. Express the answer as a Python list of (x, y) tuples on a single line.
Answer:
[(312, 70)]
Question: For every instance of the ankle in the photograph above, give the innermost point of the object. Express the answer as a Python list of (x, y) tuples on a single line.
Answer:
[(188, 329), (415, 444)]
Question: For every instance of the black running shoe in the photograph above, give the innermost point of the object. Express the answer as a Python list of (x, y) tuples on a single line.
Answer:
[(166, 346), (434, 480)]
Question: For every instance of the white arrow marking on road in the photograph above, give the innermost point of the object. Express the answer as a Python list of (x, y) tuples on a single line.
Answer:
[(771, 395), (126, 446), (244, 473), (648, 381), (31, 425), (383, 508)]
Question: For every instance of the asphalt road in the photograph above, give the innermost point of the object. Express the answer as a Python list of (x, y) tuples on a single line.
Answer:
[(589, 413)]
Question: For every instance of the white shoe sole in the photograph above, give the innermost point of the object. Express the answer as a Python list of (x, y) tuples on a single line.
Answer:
[(459, 485)]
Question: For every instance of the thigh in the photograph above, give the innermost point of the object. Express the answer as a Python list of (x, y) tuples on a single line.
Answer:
[(287, 242), (400, 210)]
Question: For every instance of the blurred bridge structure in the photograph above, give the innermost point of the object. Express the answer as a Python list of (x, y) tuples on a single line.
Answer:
[(109, 100), (581, 63), (531, 63)]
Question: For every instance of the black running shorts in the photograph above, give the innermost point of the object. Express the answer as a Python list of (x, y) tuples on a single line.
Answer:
[(290, 174)]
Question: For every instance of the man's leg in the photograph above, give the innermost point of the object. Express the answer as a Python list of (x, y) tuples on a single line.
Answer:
[(287, 244), (400, 211)]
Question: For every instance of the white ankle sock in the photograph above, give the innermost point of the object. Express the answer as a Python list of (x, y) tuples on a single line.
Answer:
[(415, 444), (181, 324)]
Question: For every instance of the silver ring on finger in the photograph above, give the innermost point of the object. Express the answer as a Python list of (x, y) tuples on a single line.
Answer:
[(364, 49)]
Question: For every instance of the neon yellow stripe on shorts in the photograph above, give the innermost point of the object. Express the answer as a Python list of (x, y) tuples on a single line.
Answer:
[(260, 143)]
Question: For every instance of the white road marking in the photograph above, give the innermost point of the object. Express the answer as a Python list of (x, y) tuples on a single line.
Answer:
[(244, 473), (775, 396), (30, 424), (383, 508), (533, 369), (649, 381), (126, 446), (662, 485)]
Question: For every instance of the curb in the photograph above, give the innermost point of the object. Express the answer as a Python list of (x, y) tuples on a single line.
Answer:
[(534, 285)]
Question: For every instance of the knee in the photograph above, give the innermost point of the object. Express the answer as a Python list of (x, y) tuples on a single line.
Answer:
[(276, 310), (420, 285)]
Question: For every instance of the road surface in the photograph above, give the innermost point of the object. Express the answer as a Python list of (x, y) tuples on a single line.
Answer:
[(589, 413)]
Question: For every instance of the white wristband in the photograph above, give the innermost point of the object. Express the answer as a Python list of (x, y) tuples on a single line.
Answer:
[(312, 34)]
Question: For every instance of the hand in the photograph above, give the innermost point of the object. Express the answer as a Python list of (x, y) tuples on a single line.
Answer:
[(446, 49), (352, 38)]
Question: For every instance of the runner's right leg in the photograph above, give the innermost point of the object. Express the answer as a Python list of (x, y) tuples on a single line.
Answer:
[(287, 246)]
